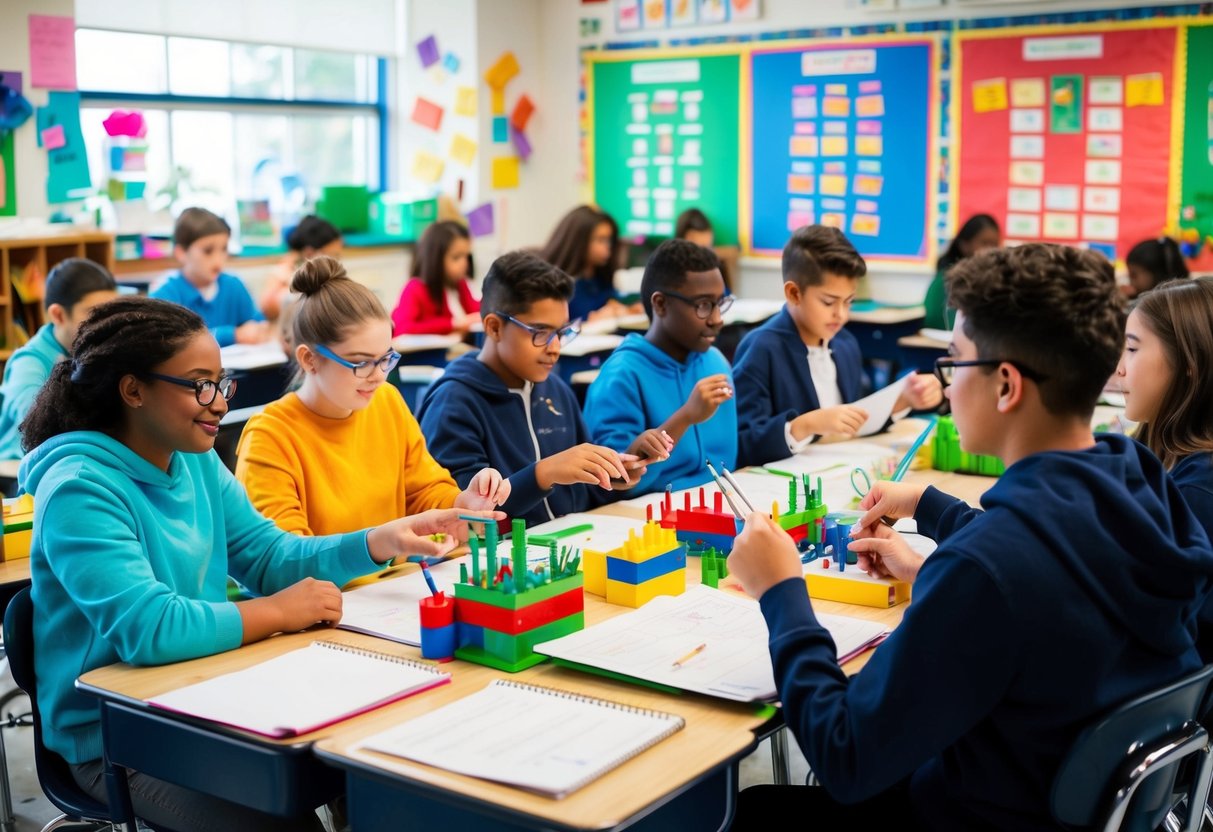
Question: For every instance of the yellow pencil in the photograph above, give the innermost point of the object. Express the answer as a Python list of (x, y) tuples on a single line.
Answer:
[(689, 656)]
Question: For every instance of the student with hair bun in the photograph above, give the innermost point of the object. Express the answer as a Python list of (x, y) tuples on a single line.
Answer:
[(343, 451), (138, 525)]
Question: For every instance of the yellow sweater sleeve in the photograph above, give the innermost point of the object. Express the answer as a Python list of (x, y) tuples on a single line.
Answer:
[(427, 484), (271, 475)]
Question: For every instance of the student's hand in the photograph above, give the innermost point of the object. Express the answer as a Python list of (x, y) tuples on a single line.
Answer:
[(763, 555), (922, 392), (252, 332), (889, 499), (487, 490), (412, 535), (585, 463), (883, 553), (843, 420), (654, 445), (710, 392), (303, 604), (636, 468)]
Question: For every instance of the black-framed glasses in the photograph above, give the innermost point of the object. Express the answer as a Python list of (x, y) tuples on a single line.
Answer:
[(945, 368), (542, 336), (703, 306), (363, 369), (204, 389)]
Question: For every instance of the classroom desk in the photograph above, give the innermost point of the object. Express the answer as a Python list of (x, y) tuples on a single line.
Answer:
[(262, 372), (426, 350), (920, 351), (585, 352)]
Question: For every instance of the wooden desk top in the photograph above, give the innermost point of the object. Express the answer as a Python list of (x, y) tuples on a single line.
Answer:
[(923, 342), (14, 571), (888, 314)]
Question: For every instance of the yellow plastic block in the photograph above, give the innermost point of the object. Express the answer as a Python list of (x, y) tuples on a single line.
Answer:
[(828, 585), (18, 526), (637, 595), (652, 542), (593, 570)]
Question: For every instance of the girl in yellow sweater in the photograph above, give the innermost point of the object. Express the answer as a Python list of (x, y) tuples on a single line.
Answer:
[(343, 451)]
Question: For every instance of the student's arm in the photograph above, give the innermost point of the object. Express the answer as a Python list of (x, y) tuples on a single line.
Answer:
[(94, 550), (466, 299), (426, 483), (246, 310), (762, 434), (414, 315), (615, 410), (941, 515), (26, 377), (941, 672), (273, 479)]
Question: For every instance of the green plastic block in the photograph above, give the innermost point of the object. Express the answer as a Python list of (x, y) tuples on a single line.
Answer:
[(497, 598), (512, 653)]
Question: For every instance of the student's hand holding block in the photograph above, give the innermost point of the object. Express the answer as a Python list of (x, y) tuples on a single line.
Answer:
[(584, 463), (922, 392), (763, 555), (654, 445), (889, 499), (883, 553), (411, 535), (709, 393), (299, 606), (843, 420), (253, 332), (487, 490)]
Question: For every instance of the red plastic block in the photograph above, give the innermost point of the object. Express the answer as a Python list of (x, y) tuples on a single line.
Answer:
[(505, 620)]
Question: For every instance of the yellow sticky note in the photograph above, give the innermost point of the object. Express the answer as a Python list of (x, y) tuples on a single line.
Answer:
[(836, 106), (990, 95), (465, 101), (505, 172), (867, 185), (802, 146), (1144, 90), (427, 167), (463, 150), (869, 145), (867, 106), (832, 185), (866, 224), (497, 101), (833, 145), (499, 74), (1028, 92)]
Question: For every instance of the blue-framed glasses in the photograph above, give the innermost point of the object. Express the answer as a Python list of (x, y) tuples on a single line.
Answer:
[(541, 336), (204, 389), (363, 369)]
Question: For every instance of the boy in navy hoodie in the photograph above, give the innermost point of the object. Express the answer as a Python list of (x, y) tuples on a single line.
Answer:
[(798, 373), (672, 378), (503, 407), (1074, 591)]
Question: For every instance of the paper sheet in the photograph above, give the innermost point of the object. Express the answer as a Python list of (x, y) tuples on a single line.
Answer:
[(879, 406)]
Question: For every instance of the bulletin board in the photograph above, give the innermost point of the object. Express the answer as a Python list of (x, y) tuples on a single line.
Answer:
[(1196, 197), (664, 136), (1065, 133), (844, 133)]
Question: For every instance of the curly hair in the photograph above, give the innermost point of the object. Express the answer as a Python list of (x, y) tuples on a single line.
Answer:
[(1053, 308)]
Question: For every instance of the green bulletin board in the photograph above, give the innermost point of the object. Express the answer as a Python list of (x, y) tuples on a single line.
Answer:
[(1196, 198), (664, 137)]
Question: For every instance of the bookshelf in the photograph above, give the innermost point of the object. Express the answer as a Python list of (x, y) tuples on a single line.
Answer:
[(24, 264)]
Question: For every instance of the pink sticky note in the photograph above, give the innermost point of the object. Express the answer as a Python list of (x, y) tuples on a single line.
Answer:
[(52, 52), (427, 113), (53, 138), (480, 220)]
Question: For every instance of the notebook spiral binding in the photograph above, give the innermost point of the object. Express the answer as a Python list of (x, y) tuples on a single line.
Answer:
[(376, 654)]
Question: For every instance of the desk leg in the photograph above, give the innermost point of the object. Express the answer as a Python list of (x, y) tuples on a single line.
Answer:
[(780, 768), (117, 790)]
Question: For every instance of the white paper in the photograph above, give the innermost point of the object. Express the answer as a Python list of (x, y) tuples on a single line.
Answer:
[(879, 406)]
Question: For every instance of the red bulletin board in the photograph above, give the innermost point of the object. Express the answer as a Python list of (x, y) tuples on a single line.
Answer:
[(1066, 134)]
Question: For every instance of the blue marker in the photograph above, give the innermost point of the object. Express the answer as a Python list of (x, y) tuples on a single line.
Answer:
[(429, 581)]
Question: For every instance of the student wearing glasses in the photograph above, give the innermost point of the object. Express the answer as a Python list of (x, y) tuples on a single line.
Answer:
[(672, 378), (138, 526), (798, 373), (343, 451), (503, 406)]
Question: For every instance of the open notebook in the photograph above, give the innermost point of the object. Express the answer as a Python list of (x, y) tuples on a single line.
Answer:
[(660, 643), (540, 739), (303, 690)]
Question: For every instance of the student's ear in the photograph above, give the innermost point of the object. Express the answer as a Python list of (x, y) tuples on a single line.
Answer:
[(492, 327), (179, 253), (57, 314), (1010, 388), (306, 359), (791, 292), (657, 299), (130, 389)]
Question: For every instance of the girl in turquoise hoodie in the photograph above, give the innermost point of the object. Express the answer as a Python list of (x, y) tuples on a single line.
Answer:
[(138, 524)]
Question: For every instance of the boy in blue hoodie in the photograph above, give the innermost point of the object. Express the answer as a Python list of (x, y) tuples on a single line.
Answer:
[(200, 245), (798, 373), (1075, 590), (672, 378), (73, 288), (502, 407)]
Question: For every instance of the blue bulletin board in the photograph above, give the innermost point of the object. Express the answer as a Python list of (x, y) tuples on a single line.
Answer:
[(843, 132)]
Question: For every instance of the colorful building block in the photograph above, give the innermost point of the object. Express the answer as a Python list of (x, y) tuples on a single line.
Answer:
[(701, 526), (637, 595), (946, 454), (713, 568), (640, 568)]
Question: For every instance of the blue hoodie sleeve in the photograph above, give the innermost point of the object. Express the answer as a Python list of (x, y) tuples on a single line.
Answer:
[(94, 549), (940, 515), (225, 335), (761, 425), (456, 438), (614, 415), (266, 559), (939, 674)]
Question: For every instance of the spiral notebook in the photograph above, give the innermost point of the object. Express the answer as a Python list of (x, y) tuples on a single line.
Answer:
[(303, 690), (544, 740)]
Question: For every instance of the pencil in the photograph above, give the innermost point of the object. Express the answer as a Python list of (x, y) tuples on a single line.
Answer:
[(680, 662)]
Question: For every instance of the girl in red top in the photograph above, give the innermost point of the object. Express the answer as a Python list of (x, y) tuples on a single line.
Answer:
[(438, 300)]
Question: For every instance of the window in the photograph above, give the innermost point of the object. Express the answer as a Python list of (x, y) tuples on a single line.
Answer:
[(234, 120)]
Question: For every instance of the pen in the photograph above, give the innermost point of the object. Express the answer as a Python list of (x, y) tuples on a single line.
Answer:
[(732, 482), (908, 458), (689, 656), (429, 581), (723, 489)]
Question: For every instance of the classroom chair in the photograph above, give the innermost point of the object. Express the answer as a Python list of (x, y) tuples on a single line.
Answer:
[(54, 775), (1124, 773)]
